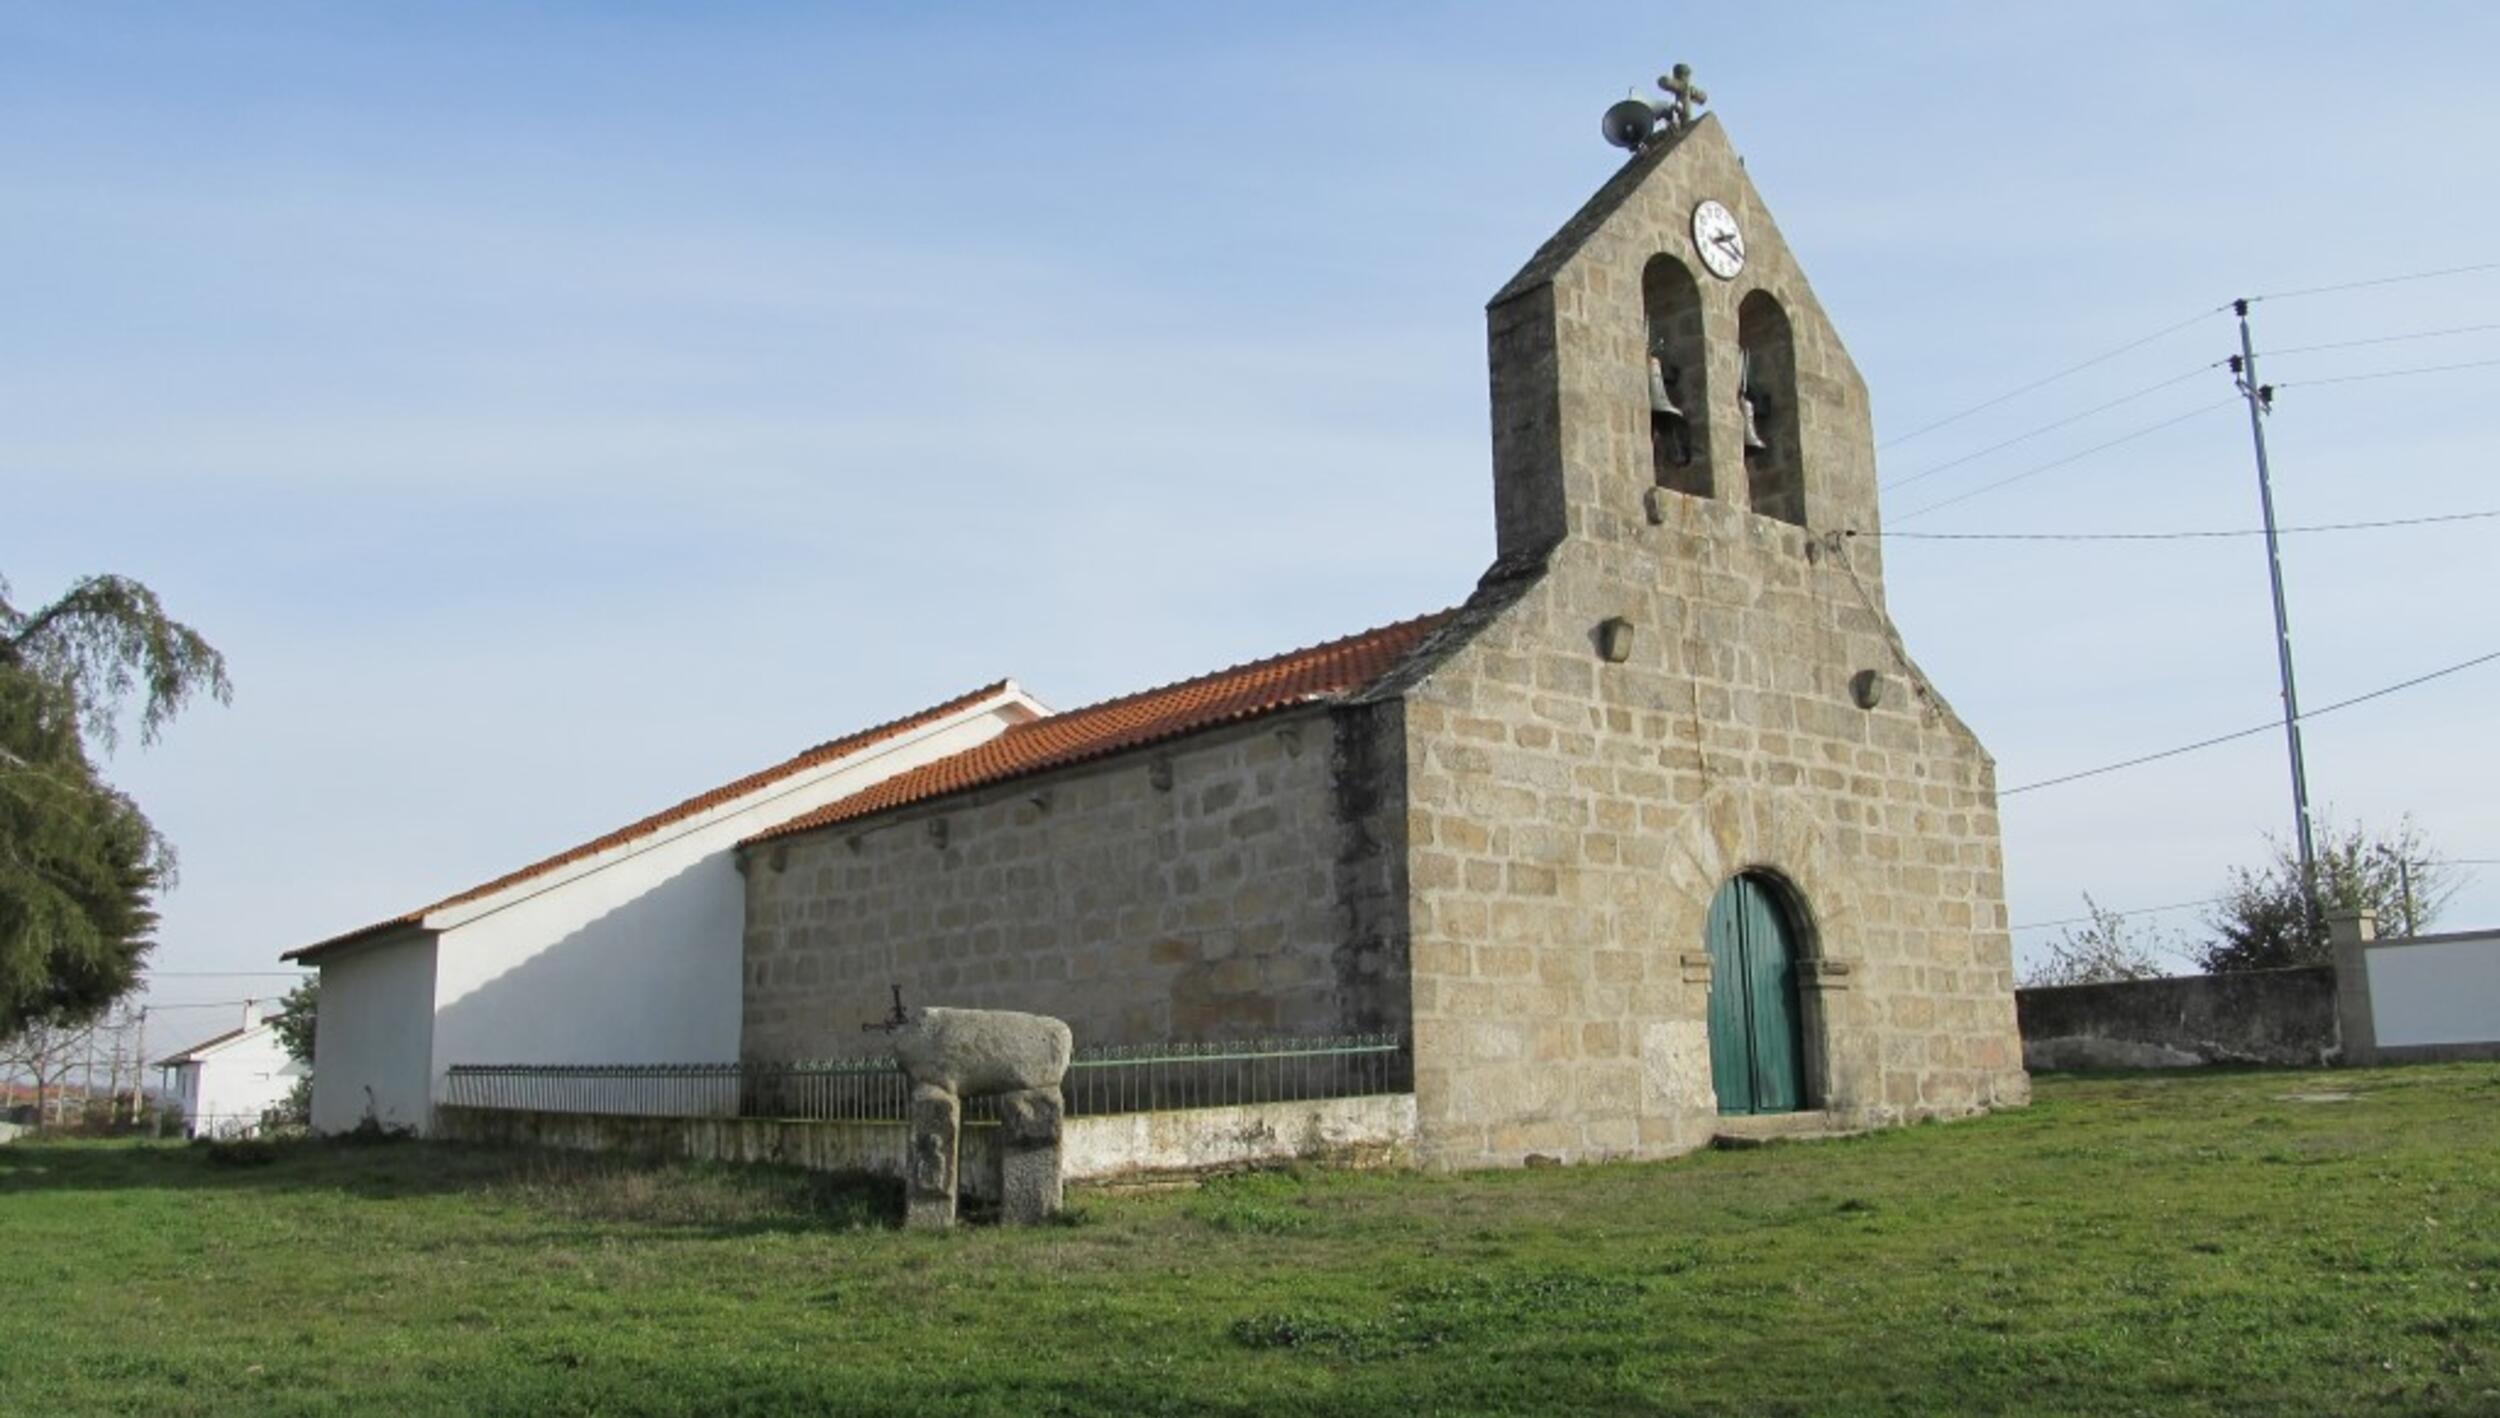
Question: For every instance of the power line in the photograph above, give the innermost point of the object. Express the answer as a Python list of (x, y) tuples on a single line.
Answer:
[(2174, 536), (2383, 340), (2215, 900), (2139, 342), (227, 974), (1925, 473), (2069, 458), (2387, 374), (2047, 380), (2378, 281), (2264, 728), (2138, 911)]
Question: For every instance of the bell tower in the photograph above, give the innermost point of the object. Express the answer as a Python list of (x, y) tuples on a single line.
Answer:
[(1664, 345), (1692, 837)]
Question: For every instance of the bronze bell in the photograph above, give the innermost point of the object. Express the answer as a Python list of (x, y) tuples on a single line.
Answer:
[(1751, 405), (1660, 400)]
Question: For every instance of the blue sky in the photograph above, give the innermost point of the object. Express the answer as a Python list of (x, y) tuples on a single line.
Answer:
[(554, 410)]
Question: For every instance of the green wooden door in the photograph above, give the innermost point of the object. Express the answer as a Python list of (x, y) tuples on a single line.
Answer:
[(1757, 1055)]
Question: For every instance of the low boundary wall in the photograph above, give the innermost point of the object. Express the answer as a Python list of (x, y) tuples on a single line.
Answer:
[(1370, 1131), (2252, 1016), (2418, 999)]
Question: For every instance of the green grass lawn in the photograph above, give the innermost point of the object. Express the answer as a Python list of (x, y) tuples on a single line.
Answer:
[(2139, 1244)]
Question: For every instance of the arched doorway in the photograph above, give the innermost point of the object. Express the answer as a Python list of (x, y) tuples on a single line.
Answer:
[(1757, 1035)]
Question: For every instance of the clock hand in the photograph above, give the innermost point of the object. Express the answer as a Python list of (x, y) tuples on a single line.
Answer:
[(1729, 239)]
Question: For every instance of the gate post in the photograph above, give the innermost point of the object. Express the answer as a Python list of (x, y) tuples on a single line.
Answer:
[(2351, 933), (1029, 1187), (929, 1175)]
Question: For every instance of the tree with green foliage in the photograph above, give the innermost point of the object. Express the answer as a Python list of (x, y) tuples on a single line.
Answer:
[(2103, 950), (2262, 920), (80, 865), (298, 1014)]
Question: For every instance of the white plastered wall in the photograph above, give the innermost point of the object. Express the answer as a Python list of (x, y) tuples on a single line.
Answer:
[(634, 956), (2435, 991), (373, 1046), (228, 1088)]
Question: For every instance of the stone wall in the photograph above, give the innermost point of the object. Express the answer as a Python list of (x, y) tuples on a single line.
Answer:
[(1240, 882), (2252, 1016), (1571, 817), (876, 1149), (1371, 1131)]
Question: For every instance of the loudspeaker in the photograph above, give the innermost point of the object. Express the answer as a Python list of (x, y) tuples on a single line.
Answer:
[(1630, 123)]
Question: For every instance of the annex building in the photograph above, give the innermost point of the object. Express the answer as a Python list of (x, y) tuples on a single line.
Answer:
[(1661, 824)]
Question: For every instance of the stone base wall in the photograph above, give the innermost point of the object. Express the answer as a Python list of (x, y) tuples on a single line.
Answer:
[(1237, 883), (1374, 1131), (2254, 1016), (876, 1149), (1351, 1132)]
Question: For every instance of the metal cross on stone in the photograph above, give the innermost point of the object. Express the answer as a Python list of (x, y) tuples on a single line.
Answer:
[(1684, 97)]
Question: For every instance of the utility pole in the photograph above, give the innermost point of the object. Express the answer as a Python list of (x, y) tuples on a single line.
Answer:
[(2260, 402), (139, 1076), (2404, 880)]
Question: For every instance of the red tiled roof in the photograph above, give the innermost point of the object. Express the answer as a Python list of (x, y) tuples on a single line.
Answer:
[(821, 754), (1319, 673)]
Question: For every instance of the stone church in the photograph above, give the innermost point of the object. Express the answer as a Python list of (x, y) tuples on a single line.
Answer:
[(1661, 825)]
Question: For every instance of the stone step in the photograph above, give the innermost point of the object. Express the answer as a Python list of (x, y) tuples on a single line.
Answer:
[(1763, 1129)]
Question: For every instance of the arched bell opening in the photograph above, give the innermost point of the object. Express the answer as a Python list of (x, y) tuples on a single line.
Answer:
[(1766, 400), (1679, 430)]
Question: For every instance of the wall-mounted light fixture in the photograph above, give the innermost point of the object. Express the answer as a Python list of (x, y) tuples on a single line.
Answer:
[(1614, 640)]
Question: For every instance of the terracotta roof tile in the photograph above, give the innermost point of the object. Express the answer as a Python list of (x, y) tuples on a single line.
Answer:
[(1322, 672), (821, 754)]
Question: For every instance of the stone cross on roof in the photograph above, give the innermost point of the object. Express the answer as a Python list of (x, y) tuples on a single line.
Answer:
[(1684, 96)]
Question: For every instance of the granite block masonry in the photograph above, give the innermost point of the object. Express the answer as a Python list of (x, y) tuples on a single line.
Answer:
[(1663, 823)]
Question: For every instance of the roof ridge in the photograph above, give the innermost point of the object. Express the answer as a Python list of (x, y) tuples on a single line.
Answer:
[(684, 808), (1601, 204), (1245, 667), (191, 1051), (1335, 669), (699, 803)]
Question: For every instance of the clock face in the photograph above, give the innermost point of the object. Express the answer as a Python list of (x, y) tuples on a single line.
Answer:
[(1715, 236)]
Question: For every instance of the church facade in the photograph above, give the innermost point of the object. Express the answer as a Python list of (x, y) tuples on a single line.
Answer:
[(1662, 825)]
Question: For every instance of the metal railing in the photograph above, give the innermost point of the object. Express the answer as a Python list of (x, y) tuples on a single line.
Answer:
[(1105, 1079), (1151, 1078)]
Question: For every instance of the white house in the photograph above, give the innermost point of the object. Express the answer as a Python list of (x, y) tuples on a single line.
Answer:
[(224, 1085), (623, 950)]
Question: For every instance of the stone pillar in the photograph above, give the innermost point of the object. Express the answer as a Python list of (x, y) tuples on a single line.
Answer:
[(929, 1182), (2351, 933), (1838, 1071), (1028, 1155)]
